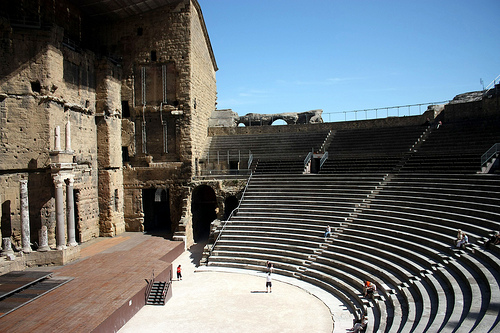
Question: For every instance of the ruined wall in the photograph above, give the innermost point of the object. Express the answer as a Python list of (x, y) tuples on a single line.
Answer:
[(44, 84), (153, 49), (109, 129), (203, 84), (139, 178)]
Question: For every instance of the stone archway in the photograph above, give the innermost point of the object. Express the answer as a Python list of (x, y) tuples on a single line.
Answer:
[(203, 208)]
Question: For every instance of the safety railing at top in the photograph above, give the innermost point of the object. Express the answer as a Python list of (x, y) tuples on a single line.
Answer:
[(226, 155), (495, 149), (230, 215), (491, 85), (383, 112)]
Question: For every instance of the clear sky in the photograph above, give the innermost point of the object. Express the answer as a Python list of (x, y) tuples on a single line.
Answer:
[(278, 56)]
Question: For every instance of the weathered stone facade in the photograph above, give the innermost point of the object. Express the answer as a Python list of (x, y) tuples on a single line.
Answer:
[(109, 111)]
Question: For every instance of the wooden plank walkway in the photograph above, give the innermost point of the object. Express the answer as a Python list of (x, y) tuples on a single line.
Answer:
[(106, 279)]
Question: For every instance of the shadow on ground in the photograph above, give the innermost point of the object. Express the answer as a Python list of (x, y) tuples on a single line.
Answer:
[(196, 251)]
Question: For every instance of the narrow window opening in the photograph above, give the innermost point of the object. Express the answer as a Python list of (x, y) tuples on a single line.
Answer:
[(139, 31), (153, 55), (36, 86), (125, 109), (125, 155)]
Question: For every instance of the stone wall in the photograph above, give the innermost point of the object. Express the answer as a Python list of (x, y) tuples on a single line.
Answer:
[(142, 88), (203, 84), (45, 84)]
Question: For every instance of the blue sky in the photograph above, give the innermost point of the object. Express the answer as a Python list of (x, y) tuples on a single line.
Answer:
[(278, 56)]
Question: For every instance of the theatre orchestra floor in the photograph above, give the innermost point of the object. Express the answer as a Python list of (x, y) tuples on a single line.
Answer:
[(113, 270)]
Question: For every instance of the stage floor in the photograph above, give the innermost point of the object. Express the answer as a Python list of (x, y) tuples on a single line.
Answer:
[(109, 273)]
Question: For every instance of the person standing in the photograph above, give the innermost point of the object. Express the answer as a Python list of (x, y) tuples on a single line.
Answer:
[(269, 283), (179, 273)]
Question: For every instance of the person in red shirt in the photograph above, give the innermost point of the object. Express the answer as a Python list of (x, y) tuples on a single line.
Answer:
[(179, 273)]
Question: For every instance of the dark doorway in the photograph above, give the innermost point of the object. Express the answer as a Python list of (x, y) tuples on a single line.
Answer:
[(203, 205), (6, 219), (156, 205), (229, 205)]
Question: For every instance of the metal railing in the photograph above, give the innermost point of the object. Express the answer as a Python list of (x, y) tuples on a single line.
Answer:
[(230, 215), (495, 149), (150, 285), (228, 156), (383, 112), (491, 85), (250, 159), (308, 158), (225, 172), (323, 159)]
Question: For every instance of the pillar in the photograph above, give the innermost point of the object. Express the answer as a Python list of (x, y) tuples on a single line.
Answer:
[(60, 234), (25, 217), (57, 139), (43, 238), (7, 246), (70, 211), (68, 136)]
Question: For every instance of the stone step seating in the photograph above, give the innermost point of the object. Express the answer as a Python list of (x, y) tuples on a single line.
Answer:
[(283, 165), (336, 164), (412, 269), (269, 147), (412, 237), (385, 141), (399, 244), (470, 203), (455, 147), (370, 150), (444, 163)]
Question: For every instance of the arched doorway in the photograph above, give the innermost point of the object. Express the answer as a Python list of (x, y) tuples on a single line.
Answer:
[(156, 205), (229, 205), (203, 206)]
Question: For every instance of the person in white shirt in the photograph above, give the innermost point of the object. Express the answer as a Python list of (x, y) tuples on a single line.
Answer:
[(269, 283)]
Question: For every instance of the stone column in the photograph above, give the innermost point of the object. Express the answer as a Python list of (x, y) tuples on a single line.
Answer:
[(7, 246), (68, 136), (43, 237), (25, 217), (70, 211), (60, 234), (57, 139)]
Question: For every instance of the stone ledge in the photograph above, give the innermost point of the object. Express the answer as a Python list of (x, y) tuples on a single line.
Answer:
[(34, 259)]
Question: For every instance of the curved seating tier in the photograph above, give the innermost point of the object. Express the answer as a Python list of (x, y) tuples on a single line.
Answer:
[(456, 147), (395, 230)]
